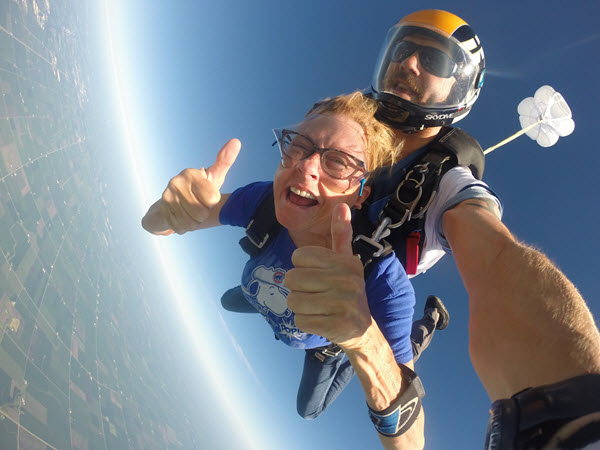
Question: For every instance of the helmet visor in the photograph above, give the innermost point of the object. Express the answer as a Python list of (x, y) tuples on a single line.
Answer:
[(440, 56)]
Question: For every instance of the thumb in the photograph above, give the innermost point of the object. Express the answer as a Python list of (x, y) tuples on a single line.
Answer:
[(341, 229), (225, 159)]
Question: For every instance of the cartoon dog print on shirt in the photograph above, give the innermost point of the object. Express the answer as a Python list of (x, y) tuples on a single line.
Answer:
[(267, 290)]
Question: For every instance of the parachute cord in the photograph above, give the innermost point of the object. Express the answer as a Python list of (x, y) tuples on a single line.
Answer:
[(514, 136)]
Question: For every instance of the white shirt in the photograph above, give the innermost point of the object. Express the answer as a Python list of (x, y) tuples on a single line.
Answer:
[(456, 186)]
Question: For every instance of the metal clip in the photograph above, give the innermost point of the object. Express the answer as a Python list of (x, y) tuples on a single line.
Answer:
[(382, 230), (409, 206), (420, 169), (425, 207), (330, 350), (380, 248)]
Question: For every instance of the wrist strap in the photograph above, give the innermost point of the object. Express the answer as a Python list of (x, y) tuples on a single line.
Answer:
[(396, 419)]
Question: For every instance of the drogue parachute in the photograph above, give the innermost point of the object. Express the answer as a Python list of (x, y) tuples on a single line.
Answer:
[(544, 118)]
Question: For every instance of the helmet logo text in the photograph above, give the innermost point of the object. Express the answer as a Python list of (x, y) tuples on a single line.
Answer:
[(439, 116)]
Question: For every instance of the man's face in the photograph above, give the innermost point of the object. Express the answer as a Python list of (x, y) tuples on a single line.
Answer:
[(409, 80)]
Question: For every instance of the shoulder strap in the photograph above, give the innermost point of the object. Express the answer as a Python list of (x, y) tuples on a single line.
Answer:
[(463, 147), (262, 228)]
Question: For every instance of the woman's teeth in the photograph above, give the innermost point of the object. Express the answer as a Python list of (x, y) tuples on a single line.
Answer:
[(302, 193)]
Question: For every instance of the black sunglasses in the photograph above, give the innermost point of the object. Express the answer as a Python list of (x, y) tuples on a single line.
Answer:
[(432, 59)]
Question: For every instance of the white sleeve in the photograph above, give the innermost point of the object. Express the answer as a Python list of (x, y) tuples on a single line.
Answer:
[(456, 186)]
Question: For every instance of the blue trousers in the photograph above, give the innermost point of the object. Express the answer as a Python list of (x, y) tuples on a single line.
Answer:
[(322, 382), (422, 331)]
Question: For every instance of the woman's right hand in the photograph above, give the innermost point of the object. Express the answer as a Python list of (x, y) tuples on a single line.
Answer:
[(190, 197)]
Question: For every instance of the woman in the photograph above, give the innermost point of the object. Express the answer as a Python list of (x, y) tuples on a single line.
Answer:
[(325, 160)]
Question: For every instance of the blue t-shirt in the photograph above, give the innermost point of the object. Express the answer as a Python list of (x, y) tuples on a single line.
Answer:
[(390, 295)]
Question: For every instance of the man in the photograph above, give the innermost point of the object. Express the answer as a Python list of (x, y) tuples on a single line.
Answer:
[(528, 325)]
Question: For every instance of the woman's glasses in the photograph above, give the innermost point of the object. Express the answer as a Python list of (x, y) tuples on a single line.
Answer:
[(338, 164)]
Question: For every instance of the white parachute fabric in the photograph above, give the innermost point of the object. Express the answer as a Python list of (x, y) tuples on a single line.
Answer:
[(547, 115), (544, 118)]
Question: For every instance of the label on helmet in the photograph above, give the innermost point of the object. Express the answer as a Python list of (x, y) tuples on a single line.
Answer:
[(439, 116)]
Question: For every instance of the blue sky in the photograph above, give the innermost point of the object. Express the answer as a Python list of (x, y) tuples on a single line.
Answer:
[(195, 74)]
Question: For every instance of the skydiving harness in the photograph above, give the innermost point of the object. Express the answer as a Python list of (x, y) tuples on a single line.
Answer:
[(401, 219)]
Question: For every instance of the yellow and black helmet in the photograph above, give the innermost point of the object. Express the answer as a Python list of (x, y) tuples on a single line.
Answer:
[(462, 59)]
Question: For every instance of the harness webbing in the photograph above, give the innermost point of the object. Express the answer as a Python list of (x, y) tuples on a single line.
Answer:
[(262, 228), (402, 219)]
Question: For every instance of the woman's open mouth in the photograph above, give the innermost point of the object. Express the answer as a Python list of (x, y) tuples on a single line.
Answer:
[(301, 198)]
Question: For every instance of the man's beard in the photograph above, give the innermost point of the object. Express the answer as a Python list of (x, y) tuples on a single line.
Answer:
[(407, 81)]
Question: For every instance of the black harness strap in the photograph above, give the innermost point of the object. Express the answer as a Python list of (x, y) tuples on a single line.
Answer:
[(464, 148), (262, 228)]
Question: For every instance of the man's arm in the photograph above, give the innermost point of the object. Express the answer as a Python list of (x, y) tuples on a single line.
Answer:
[(528, 324), (192, 200), (329, 299)]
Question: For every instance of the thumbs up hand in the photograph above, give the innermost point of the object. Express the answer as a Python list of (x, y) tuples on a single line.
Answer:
[(189, 197), (341, 230), (328, 289)]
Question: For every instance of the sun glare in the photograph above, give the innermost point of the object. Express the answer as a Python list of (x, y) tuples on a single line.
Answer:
[(207, 355)]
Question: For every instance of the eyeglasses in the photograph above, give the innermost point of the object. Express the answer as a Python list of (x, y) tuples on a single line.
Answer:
[(432, 59), (337, 164)]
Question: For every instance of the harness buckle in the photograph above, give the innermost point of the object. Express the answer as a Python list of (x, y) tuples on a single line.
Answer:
[(330, 350), (379, 249), (254, 239)]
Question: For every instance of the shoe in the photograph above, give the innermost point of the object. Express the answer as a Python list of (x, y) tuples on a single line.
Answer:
[(233, 300), (434, 302)]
